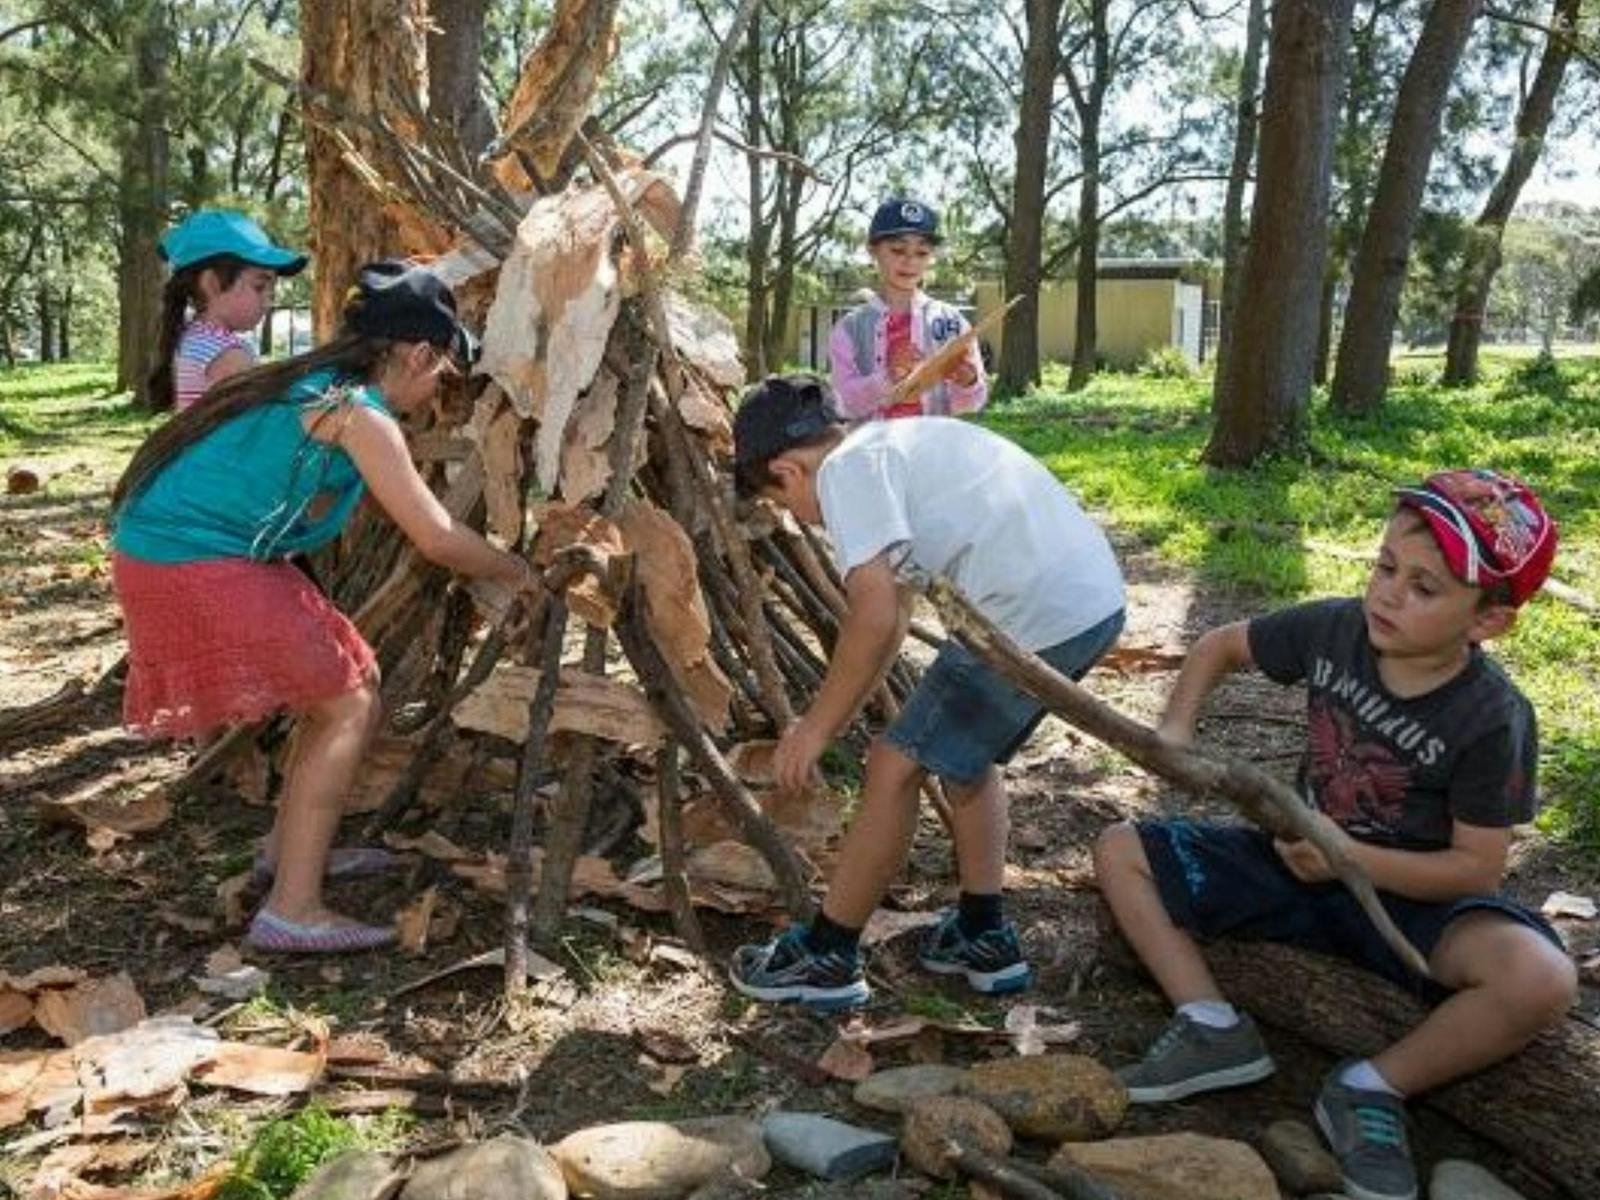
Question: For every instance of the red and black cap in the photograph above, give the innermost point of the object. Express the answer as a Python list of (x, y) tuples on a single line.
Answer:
[(1491, 528)]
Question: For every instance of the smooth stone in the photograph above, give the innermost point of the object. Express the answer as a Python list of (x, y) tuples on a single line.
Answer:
[(1458, 1179), (503, 1168), (353, 1175), (1058, 1097), (659, 1160), (1173, 1166), (933, 1121), (894, 1090), (1299, 1159), (827, 1148)]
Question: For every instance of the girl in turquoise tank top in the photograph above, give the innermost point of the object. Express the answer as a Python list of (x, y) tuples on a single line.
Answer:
[(222, 629)]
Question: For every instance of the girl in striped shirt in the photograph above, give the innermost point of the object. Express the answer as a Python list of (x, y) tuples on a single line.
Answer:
[(224, 269)]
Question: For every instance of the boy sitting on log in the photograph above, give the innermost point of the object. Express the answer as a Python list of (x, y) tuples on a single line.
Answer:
[(1421, 753), (903, 501)]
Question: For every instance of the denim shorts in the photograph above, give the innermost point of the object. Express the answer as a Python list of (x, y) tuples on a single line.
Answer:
[(1228, 881), (964, 716)]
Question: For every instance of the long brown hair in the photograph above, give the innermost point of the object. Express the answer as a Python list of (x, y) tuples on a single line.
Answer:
[(351, 356), (181, 293)]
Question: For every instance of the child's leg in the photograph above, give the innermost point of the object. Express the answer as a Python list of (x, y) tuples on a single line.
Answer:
[(1511, 982), (879, 839), (333, 736), (980, 820), (1171, 955)]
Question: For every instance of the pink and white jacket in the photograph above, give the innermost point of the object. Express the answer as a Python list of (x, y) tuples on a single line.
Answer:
[(858, 355)]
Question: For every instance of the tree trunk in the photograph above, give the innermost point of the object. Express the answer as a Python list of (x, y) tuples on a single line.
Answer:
[(1085, 332), (758, 243), (1330, 285), (782, 281), (1275, 336), (1527, 1104), (1244, 153), (142, 206), (455, 61), (1361, 376), (1019, 349), (1483, 249), (47, 322), (357, 50)]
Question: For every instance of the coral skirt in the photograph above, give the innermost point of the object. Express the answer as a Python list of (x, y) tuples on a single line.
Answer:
[(228, 641)]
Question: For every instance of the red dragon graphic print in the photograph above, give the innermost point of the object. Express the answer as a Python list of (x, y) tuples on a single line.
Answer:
[(1359, 784)]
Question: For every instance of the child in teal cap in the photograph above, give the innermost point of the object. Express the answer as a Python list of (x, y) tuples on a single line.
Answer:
[(224, 268)]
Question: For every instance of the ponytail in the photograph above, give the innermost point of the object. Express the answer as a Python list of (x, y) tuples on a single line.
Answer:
[(351, 356), (178, 296)]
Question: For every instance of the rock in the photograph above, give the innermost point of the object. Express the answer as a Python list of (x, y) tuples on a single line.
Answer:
[(1060, 1097), (1173, 1166), (353, 1175), (1299, 1159), (659, 1160), (503, 1168), (1457, 1179), (894, 1090), (827, 1148), (860, 1189), (22, 481), (934, 1120)]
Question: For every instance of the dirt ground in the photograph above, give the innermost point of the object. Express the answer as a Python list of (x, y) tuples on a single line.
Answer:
[(572, 1054)]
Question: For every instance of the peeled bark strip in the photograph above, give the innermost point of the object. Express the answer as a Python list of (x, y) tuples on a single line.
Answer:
[(1528, 1104), (1261, 798)]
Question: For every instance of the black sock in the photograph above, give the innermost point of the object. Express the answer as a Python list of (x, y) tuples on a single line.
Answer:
[(827, 937), (978, 913)]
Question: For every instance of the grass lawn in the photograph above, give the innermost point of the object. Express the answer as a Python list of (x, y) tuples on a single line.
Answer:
[(66, 414), (1301, 527)]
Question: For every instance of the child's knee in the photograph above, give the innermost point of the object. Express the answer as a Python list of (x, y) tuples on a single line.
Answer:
[(1546, 982), (889, 768), (360, 707), (1118, 851)]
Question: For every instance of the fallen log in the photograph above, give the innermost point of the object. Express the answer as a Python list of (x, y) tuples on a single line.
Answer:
[(1533, 1105), (1268, 803)]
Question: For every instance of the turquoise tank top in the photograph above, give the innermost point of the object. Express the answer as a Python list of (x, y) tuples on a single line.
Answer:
[(245, 490)]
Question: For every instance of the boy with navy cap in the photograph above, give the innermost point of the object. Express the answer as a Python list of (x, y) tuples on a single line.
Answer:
[(877, 344), (904, 501), (1420, 757)]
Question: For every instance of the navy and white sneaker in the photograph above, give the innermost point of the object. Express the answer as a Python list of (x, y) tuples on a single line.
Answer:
[(992, 961), (786, 969)]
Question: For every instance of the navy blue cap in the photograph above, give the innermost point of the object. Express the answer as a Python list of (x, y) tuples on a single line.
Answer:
[(780, 412), (901, 215), (399, 300)]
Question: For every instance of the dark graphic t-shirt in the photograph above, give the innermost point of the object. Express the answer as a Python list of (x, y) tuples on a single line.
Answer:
[(1394, 771)]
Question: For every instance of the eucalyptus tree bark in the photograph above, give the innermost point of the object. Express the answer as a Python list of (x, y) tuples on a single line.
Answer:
[(142, 203), (1019, 350), (358, 51), (1361, 376), (455, 61), (758, 246), (1263, 403), (1244, 153), (1089, 99), (1483, 247)]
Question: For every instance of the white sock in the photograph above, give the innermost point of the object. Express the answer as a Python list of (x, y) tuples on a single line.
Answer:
[(1218, 1014), (1363, 1076)]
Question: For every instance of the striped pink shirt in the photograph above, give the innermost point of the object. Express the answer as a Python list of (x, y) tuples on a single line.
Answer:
[(202, 343)]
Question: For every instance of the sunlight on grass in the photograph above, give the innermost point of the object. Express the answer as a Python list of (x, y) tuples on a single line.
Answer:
[(1294, 528), (67, 415)]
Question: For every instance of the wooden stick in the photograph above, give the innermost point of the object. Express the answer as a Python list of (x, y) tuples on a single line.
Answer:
[(1263, 799), (519, 860), (1072, 1182), (998, 1172), (931, 369), (674, 872)]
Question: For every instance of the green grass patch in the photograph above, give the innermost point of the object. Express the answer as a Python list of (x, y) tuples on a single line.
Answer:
[(285, 1152), (57, 412), (1296, 527)]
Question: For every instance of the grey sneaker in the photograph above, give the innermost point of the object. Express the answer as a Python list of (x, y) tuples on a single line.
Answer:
[(1190, 1057), (788, 969), (992, 962), (1367, 1133)]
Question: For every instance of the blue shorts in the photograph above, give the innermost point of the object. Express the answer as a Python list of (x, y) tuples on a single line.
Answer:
[(1227, 881), (964, 717)]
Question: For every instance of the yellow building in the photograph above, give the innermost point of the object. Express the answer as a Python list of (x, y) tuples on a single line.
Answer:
[(1141, 305)]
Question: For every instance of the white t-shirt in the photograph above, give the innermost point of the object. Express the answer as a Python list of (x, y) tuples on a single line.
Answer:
[(950, 499)]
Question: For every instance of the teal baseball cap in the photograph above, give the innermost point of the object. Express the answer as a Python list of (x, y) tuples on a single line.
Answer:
[(214, 232)]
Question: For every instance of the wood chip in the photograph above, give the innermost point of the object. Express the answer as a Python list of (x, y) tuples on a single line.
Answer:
[(412, 922), (89, 1009), (847, 1059), (261, 1070)]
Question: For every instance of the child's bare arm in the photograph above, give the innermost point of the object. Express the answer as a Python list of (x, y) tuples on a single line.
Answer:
[(1473, 865), (1217, 654)]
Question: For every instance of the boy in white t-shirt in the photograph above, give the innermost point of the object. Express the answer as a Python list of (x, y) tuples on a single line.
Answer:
[(904, 501)]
